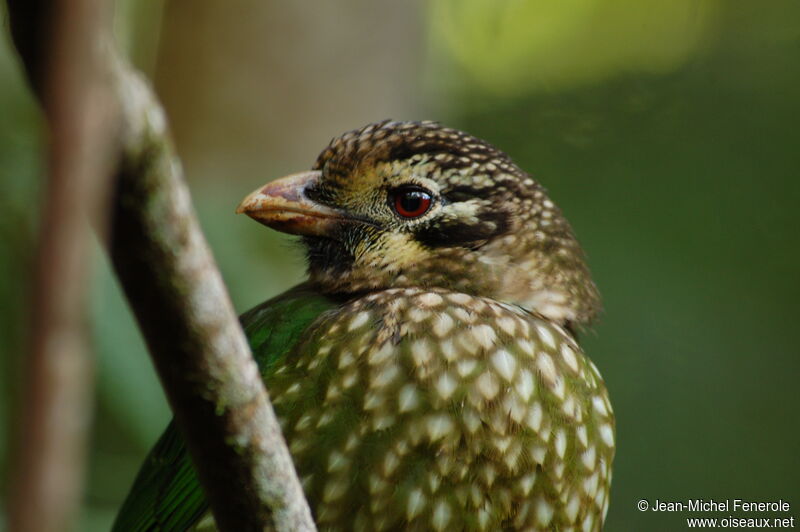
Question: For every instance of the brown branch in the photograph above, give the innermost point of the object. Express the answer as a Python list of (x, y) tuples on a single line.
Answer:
[(183, 309), (56, 405)]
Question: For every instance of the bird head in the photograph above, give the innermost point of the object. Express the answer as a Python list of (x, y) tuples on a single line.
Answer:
[(415, 204)]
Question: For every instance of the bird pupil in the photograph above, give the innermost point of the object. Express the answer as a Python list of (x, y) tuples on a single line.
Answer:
[(411, 201)]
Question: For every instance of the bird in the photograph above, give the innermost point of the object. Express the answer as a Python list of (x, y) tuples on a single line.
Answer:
[(428, 375)]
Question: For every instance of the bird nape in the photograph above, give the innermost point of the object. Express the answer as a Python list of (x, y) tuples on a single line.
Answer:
[(426, 376)]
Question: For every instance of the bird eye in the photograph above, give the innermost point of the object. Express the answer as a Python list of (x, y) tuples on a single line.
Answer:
[(411, 202)]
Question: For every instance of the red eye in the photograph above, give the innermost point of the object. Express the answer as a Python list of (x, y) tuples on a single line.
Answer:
[(411, 203)]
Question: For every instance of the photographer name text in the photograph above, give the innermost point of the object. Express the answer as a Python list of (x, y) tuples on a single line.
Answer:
[(722, 505)]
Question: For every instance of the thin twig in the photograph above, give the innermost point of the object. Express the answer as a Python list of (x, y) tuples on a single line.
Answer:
[(184, 311)]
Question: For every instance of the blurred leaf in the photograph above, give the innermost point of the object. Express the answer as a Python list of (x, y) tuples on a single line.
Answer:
[(513, 46)]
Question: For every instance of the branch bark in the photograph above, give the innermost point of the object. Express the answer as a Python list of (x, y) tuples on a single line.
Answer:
[(181, 304)]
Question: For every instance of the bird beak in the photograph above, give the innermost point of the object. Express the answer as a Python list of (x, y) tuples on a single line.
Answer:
[(283, 205)]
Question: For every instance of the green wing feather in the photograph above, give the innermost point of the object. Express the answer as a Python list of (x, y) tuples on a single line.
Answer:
[(166, 495)]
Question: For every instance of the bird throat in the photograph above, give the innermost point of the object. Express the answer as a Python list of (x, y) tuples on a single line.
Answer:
[(549, 279)]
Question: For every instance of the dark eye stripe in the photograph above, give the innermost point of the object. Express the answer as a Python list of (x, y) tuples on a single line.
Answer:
[(459, 233)]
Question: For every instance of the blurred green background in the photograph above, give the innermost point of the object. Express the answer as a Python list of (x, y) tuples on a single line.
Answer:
[(667, 131)]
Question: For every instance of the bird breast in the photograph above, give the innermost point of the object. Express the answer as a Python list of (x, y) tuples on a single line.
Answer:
[(429, 409)]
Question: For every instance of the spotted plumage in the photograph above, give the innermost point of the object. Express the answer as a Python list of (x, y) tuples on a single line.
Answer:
[(427, 376)]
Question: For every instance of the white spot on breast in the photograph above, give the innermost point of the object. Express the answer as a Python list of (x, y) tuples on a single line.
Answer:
[(559, 387), (351, 443), (379, 356), (535, 415), (595, 370), (599, 405), (600, 497), (333, 393), (573, 506), (560, 443), (443, 324), (467, 344), (546, 367), (376, 484), (448, 350), (382, 422), (298, 445), (434, 481), (512, 457), (438, 426), (546, 336), (568, 406), (488, 473), (324, 419), (303, 423), (501, 443), (445, 386), (544, 512), (334, 489), (471, 420), (526, 346), (589, 457), (349, 379), (475, 495), (588, 523), (487, 385), (581, 432), (385, 376), (460, 299), (373, 400), (466, 367), (607, 434), (359, 320), (444, 463), (526, 483), (507, 324), (418, 315), (569, 357), (415, 504), (524, 385), (390, 463), (408, 399), (441, 515), (544, 434), (337, 462), (515, 407), (484, 336), (462, 315), (312, 365), (421, 352), (324, 350), (590, 485), (559, 471), (429, 299), (345, 359), (504, 363), (483, 519)]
